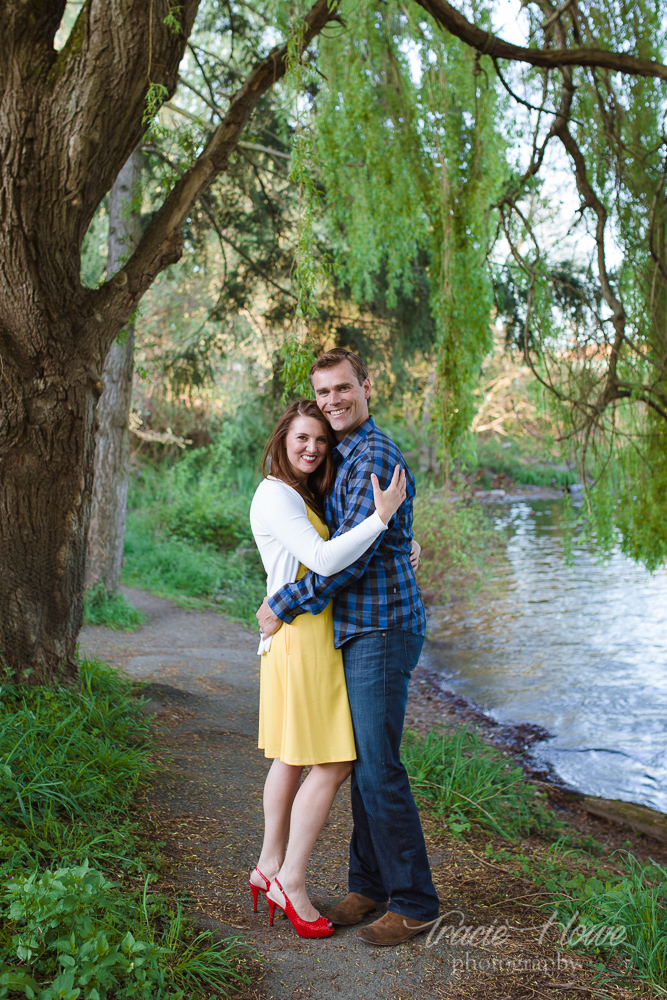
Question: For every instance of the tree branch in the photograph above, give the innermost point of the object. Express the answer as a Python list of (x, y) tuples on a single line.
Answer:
[(489, 44), (116, 50), (161, 244)]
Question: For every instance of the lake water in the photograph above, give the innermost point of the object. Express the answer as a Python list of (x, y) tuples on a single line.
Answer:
[(579, 648)]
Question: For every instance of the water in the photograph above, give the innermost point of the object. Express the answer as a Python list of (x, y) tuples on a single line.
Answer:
[(580, 649)]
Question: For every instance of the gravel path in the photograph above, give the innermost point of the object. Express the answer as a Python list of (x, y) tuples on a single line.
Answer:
[(203, 681)]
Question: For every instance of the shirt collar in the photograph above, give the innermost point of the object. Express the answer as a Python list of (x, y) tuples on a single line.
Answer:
[(349, 443)]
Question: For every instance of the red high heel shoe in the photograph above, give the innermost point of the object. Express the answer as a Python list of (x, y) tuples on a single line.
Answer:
[(256, 889), (320, 928)]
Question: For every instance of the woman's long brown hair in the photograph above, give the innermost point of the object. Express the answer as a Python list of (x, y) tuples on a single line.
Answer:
[(321, 480)]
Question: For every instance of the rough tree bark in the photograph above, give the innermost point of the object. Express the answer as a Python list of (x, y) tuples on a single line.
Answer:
[(68, 122), (112, 450)]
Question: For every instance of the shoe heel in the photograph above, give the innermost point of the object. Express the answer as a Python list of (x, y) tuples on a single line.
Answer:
[(272, 910), (255, 893)]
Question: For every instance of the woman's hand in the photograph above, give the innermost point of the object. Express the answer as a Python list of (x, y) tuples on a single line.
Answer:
[(388, 502), (415, 550)]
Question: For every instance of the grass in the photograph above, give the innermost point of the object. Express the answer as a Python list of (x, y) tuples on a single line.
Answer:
[(188, 533), (197, 575), (464, 781), (112, 610), (615, 911), (625, 909), (73, 920)]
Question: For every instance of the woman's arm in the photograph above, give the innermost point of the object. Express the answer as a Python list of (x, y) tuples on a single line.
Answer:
[(282, 513)]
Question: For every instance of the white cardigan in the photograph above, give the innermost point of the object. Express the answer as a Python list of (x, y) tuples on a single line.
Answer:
[(285, 537)]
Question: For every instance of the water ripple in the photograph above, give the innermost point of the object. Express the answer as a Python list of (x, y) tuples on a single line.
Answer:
[(580, 649)]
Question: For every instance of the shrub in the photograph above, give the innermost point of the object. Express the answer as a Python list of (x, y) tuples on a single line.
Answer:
[(461, 548)]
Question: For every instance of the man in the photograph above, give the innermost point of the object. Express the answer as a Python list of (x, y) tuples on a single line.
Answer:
[(379, 622)]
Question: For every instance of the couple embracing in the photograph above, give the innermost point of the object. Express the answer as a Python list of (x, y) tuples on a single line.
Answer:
[(342, 630)]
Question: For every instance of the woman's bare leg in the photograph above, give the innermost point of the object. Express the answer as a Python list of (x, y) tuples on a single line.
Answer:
[(311, 807), (280, 788)]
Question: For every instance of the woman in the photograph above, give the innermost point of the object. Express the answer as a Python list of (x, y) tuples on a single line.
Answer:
[(304, 716)]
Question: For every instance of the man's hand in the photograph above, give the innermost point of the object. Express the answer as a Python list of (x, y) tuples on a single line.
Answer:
[(415, 550), (268, 622)]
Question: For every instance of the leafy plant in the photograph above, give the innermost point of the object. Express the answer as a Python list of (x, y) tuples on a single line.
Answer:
[(71, 762), (72, 925), (607, 911)]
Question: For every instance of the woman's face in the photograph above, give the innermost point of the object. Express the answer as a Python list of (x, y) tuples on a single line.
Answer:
[(306, 444)]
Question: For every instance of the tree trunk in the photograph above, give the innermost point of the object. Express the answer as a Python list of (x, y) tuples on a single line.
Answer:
[(44, 509), (69, 119), (112, 451)]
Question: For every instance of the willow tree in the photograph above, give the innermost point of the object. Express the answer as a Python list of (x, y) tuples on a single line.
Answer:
[(412, 157), (70, 120), (590, 91)]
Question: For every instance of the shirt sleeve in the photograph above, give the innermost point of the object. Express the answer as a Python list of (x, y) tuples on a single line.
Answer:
[(284, 517), (313, 591)]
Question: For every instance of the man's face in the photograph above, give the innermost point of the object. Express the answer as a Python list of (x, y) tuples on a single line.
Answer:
[(340, 397)]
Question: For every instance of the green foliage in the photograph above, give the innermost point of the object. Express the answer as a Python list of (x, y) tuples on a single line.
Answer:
[(71, 762), (193, 574), (73, 924), (465, 781), (624, 509), (113, 610), (298, 359), (188, 532), (80, 931), (173, 18), (632, 498), (522, 462), (461, 548), (592, 323), (407, 138), (156, 95), (608, 911)]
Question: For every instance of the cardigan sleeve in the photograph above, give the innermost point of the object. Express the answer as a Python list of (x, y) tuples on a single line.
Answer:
[(282, 513)]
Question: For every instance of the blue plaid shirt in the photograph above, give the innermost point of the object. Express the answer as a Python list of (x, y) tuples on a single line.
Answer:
[(379, 590)]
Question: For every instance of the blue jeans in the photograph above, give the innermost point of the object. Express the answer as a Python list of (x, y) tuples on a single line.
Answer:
[(387, 851)]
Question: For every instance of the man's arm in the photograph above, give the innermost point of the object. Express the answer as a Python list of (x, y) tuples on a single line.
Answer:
[(312, 592)]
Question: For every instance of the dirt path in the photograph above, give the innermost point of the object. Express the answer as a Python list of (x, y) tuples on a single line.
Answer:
[(203, 675)]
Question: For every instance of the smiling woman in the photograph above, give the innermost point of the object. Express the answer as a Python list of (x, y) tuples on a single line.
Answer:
[(298, 430), (306, 444)]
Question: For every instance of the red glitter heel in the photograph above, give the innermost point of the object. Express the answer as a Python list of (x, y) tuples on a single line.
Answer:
[(256, 889), (320, 928)]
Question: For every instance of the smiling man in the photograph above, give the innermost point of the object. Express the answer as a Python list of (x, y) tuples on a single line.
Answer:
[(379, 622)]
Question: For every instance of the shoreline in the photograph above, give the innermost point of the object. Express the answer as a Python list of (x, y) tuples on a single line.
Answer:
[(431, 705)]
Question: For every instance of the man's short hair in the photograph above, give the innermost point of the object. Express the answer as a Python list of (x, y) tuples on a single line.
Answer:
[(332, 358)]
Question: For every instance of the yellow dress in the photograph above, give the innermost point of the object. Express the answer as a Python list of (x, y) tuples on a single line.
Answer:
[(304, 714)]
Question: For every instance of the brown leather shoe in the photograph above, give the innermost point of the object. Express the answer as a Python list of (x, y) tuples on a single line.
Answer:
[(393, 929), (352, 909)]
